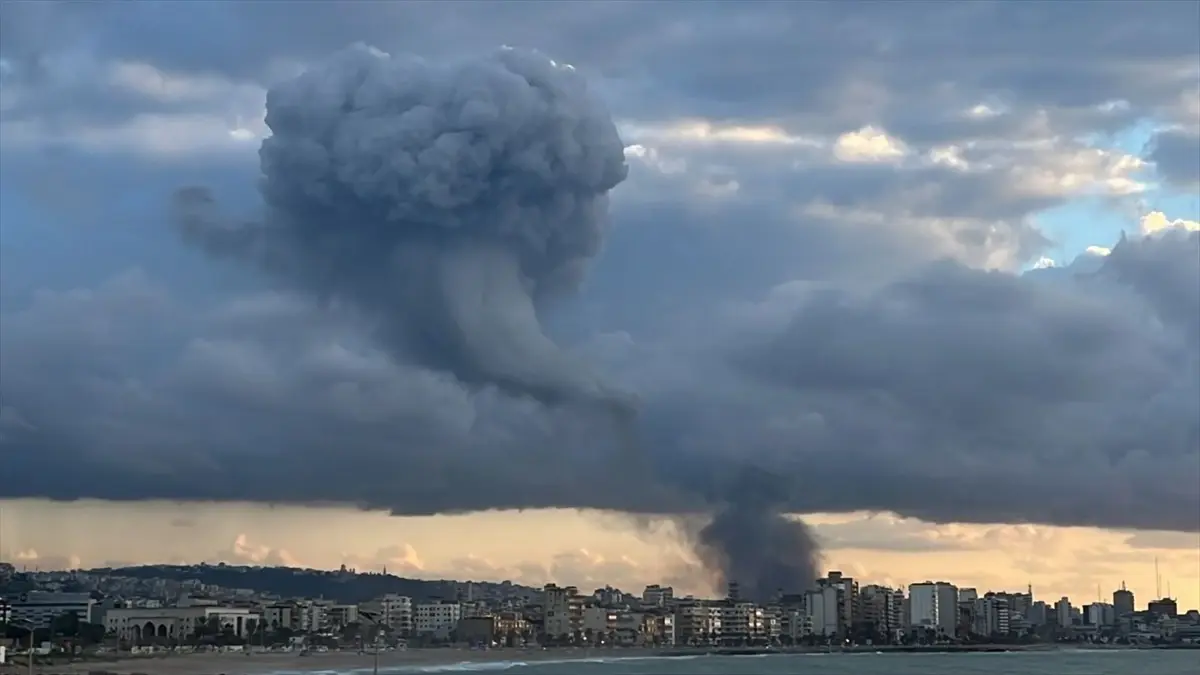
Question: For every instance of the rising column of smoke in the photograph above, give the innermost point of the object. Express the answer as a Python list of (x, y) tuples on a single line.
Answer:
[(751, 542), (440, 199)]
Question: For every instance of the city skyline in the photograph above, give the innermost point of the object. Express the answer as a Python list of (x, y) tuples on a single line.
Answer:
[(593, 548)]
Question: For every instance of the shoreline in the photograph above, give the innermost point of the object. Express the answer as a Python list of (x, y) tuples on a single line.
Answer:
[(426, 659)]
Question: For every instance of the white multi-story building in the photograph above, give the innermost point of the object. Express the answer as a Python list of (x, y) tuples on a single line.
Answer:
[(143, 625), (991, 615), (968, 595), (393, 611), (742, 621), (313, 616), (934, 606), (823, 611), (847, 589), (40, 609), (1063, 610), (1101, 614), (563, 611), (436, 618)]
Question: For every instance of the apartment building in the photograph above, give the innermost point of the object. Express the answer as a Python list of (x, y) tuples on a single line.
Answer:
[(312, 616), (882, 608), (281, 615), (697, 622), (847, 598), (393, 611), (340, 616), (991, 615), (563, 611), (823, 609), (742, 622), (598, 621), (657, 596), (438, 619), (933, 605)]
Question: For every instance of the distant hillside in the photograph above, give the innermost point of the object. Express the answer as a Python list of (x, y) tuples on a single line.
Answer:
[(289, 582)]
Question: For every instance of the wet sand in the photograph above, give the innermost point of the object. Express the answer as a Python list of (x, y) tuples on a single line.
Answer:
[(262, 664)]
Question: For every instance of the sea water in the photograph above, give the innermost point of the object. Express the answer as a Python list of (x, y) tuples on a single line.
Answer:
[(1064, 662)]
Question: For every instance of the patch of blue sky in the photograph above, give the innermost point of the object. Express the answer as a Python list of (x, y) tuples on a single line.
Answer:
[(1099, 221)]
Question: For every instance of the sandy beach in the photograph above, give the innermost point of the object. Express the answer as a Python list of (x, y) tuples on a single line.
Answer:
[(262, 664)]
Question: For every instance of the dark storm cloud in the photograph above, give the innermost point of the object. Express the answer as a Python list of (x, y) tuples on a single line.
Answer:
[(923, 397), (1176, 156), (804, 62)]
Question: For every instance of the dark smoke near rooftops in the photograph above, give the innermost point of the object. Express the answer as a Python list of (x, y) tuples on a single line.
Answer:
[(445, 200)]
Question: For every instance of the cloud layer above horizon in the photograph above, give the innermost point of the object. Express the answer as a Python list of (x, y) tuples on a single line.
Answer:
[(829, 264)]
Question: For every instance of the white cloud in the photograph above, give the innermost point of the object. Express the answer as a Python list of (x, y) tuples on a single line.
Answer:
[(949, 155), (243, 551), (1080, 171), (868, 144), (152, 135), (1156, 221), (165, 87), (706, 132)]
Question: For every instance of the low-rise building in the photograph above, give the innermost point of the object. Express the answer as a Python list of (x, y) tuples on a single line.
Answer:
[(697, 623), (598, 622), (40, 609), (145, 625)]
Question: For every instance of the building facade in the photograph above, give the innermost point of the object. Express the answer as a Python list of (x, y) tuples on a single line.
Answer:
[(438, 619), (933, 605), (40, 609), (159, 625)]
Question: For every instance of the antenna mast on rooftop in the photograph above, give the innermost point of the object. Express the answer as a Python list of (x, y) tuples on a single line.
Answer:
[(1157, 580)]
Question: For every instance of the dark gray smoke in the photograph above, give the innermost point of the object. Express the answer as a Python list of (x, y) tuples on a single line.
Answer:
[(751, 542), (441, 200), (444, 201)]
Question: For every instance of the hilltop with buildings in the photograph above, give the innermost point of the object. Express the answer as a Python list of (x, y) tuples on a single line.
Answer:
[(171, 607)]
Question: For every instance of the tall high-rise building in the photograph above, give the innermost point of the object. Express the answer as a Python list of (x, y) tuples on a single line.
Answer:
[(991, 615), (883, 608), (1123, 601), (1062, 610), (1099, 614), (847, 590), (934, 605)]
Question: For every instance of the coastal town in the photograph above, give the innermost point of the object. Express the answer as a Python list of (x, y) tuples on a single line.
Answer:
[(159, 609)]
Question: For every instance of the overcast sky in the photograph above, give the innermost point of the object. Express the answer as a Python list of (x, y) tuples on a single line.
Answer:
[(940, 260)]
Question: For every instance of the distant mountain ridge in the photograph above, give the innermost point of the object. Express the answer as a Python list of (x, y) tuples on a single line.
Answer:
[(292, 582)]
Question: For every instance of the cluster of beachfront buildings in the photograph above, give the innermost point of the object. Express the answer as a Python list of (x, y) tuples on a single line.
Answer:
[(836, 610)]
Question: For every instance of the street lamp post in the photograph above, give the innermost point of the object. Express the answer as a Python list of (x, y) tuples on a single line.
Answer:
[(29, 625)]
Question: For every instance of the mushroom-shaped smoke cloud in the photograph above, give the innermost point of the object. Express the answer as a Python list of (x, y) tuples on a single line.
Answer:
[(441, 200)]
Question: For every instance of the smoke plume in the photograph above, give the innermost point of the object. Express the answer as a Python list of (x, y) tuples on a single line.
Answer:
[(442, 200), (751, 542)]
